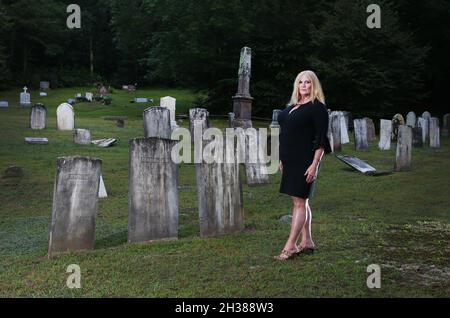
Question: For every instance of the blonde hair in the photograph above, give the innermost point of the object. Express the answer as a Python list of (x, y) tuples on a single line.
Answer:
[(316, 88)]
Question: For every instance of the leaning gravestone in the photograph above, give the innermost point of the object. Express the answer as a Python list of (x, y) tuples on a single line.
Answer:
[(198, 114), (360, 134), (104, 143), (75, 200), (65, 117), (275, 114), (220, 201), (25, 98), (434, 133), (4, 104), (170, 103), (423, 124), (38, 117), (336, 131), (404, 148), (397, 121), (411, 119), (157, 123), (446, 126), (153, 191), (82, 137), (385, 134), (371, 134), (417, 137)]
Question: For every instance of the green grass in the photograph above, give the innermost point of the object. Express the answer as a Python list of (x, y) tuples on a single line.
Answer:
[(399, 221)]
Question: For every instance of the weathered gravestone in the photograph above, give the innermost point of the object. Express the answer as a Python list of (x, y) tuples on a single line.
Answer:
[(25, 98), (344, 130), (427, 117), (157, 123), (198, 114), (397, 121), (89, 97), (275, 114), (255, 170), (102, 190), (75, 200), (404, 148), (360, 134), (417, 137), (231, 117), (38, 117), (4, 104), (336, 131), (411, 119), (141, 100), (385, 134), (36, 140), (423, 124), (170, 103), (446, 126), (65, 117), (104, 143), (371, 134), (153, 191), (82, 137), (242, 101), (44, 85), (434, 133)]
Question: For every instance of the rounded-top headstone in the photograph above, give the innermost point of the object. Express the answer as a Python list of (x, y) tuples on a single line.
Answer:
[(411, 119), (38, 117), (65, 117)]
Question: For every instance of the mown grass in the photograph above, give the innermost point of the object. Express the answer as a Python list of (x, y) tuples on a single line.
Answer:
[(399, 221)]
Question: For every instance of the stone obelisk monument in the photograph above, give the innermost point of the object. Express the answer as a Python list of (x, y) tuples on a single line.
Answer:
[(242, 102)]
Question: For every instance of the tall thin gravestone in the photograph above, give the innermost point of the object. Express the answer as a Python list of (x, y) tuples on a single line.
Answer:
[(153, 191), (220, 200), (242, 101), (157, 122), (417, 137), (198, 114), (65, 117), (404, 148), (170, 103), (423, 124), (385, 134), (344, 130), (336, 131), (255, 170), (446, 126), (75, 200), (275, 114), (38, 117), (434, 133), (371, 134), (360, 134), (427, 117), (397, 121)]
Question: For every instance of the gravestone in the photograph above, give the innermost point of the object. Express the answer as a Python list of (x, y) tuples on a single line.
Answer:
[(170, 103), (82, 137), (103, 91), (385, 134), (423, 124), (330, 133), (220, 198), (157, 123), (75, 201), (102, 190), (417, 137), (411, 119), (344, 130), (427, 117), (446, 126), (120, 123), (336, 131), (256, 172), (141, 100), (275, 114), (153, 191), (25, 98), (371, 134), (36, 140), (434, 133), (4, 104), (357, 164), (404, 148), (104, 143), (43, 94), (44, 85), (242, 101), (198, 114), (65, 117), (89, 97), (231, 117), (38, 117), (397, 121), (360, 134), (71, 101)]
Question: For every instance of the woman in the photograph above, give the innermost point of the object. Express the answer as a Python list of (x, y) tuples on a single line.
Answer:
[(303, 142)]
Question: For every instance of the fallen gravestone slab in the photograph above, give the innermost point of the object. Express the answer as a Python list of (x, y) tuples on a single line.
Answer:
[(143, 100), (104, 143), (36, 141), (361, 166), (12, 172), (4, 104)]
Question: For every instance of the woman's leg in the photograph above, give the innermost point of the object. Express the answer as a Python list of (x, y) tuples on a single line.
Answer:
[(307, 241), (298, 222)]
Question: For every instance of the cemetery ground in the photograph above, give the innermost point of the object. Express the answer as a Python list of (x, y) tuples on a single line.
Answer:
[(398, 221)]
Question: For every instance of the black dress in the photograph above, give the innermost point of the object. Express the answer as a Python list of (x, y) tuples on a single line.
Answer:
[(302, 132)]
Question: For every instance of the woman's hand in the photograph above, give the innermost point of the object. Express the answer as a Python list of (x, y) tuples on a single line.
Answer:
[(311, 173)]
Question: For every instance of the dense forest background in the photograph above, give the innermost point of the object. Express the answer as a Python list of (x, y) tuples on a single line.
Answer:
[(195, 44)]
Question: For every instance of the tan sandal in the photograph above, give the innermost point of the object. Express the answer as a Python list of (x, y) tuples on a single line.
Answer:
[(287, 255)]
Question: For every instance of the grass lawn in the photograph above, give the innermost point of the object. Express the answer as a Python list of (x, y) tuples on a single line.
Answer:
[(398, 221)]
